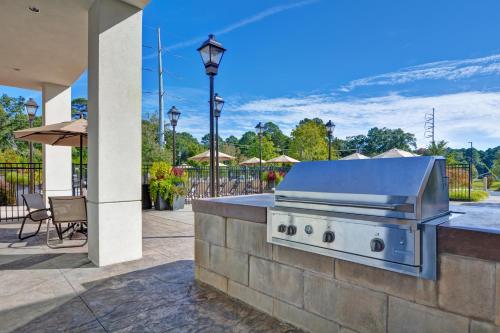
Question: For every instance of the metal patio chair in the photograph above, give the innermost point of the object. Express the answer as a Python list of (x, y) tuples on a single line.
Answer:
[(37, 212), (70, 210)]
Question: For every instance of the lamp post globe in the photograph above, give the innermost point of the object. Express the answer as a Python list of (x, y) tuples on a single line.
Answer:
[(31, 108), (259, 129), (211, 52), (218, 105), (330, 126), (173, 116)]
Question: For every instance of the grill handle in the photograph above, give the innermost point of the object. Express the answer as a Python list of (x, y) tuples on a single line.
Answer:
[(400, 207)]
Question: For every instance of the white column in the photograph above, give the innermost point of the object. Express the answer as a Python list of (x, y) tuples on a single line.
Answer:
[(114, 115), (56, 108)]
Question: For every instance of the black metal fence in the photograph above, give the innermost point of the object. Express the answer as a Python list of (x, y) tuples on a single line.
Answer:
[(459, 181), (16, 179)]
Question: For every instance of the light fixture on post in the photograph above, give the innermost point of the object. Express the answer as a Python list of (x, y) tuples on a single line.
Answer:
[(259, 129), (219, 104), (211, 53), (330, 126), (31, 108), (173, 116)]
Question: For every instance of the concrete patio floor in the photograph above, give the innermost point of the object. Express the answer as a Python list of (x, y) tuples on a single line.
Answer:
[(46, 290)]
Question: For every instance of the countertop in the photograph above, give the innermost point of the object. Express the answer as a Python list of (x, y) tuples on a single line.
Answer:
[(475, 232)]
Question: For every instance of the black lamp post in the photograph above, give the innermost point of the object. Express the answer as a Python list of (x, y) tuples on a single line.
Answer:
[(330, 126), (259, 129), (219, 104), (173, 115), (31, 108), (211, 53)]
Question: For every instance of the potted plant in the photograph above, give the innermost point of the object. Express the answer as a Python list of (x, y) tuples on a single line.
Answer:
[(273, 178), (167, 186)]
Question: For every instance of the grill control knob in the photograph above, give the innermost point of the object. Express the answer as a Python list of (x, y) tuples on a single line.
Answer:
[(328, 237), (282, 228), (377, 245), (291, 230)]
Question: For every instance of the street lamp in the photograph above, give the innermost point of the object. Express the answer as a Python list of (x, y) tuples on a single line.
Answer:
[(173, 115), (330, 126), (219, 104), (259, 129), (211, 53), (31, 107)]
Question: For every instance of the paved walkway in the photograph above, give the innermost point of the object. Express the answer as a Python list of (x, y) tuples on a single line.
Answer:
[(46, 290)]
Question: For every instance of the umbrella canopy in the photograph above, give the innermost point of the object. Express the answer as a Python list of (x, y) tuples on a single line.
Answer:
[(283, 159), (355, 156), (252, 161), (395, 153), (67, 133), (205, 157)]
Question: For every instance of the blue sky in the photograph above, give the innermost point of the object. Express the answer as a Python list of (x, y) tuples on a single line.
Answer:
[(359, 63)]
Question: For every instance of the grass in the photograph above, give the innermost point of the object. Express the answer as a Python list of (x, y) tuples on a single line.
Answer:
[(463, 195), (478, 185)]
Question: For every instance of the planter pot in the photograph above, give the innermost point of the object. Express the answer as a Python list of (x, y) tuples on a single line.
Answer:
[(161, 204), (146, 198), (177, 204)]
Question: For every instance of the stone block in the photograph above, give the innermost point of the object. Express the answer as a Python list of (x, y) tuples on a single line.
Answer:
[(497, 294), (213, 279), (252, 297), (303, 319), (248, 237), (404, 286), (466, 286), (302, 259), (201, 253), (277, 280), (414, 318), (230, 263), (358, 308), (482, 327), (210, 228)]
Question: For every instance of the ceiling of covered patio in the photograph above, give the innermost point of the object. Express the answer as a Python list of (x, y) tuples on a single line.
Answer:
[(45, 46)]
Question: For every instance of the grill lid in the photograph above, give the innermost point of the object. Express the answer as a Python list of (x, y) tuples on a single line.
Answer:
[(412, 188)]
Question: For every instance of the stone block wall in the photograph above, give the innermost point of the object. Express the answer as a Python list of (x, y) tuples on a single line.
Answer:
[(322, 294)]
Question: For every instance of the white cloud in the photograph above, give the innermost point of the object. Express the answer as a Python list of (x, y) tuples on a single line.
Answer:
[(243, 22), (461, 117), (443, 70)]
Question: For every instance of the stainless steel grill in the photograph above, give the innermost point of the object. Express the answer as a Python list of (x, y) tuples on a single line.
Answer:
[(378, 212)]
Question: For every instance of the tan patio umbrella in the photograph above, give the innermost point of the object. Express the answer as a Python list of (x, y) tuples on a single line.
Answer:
[(67, 133), (355, 156), (205, 157), (252, 161), (395, 153), (283, 159)]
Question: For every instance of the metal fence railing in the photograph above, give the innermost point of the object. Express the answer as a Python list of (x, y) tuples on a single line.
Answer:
[(17, 179), (459, 181)]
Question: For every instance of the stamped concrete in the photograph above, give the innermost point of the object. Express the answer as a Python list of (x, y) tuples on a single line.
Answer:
[(45, 290)]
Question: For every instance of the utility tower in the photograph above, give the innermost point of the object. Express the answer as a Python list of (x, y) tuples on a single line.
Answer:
[(161, 127), (429, 126)]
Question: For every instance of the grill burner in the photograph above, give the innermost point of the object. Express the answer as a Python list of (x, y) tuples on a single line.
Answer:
[(378, 212)]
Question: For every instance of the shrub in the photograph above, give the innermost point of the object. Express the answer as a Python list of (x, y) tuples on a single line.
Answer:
[(7, 194), (475, 195), (167, 182)]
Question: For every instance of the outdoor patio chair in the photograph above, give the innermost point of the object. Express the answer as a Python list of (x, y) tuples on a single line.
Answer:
[(233, 187), (37, 212), (70, 210)]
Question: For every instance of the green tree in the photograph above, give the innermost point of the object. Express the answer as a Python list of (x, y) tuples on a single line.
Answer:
[(379, 140), (246, 141), (309, 141), (280, 140), (268, 149), (79, 107), (437, 148)]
